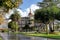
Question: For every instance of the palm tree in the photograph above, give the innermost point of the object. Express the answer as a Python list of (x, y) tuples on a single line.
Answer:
[(13, 25), (15, 16)]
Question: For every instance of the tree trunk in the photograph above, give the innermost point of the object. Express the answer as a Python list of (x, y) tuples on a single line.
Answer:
[(50, 26), (53, 25), (47, 31)]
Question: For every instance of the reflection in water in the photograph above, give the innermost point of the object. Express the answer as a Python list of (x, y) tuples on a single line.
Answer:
[(22, 37), (12, 36)]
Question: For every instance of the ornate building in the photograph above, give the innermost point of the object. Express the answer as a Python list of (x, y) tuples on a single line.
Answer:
[(31, 18), (27, 20)]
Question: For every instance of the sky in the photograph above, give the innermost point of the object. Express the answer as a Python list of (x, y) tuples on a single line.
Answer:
[(24, 8), (28, 3)]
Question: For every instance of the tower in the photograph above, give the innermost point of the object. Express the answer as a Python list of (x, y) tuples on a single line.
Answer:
[(31, 18)]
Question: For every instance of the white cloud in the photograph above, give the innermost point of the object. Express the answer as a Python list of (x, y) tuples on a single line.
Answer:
[(9, 13), (33, 7), (22, 13)]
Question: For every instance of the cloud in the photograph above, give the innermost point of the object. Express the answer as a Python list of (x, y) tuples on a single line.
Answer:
[(33, 7), (12, 11), (22, 13), (25, 13)]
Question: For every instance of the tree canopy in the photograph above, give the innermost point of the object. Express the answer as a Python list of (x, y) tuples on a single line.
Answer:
[(41, 15), (9, 4), (57, 16), (13, 25), (15, 16), (46, 14)]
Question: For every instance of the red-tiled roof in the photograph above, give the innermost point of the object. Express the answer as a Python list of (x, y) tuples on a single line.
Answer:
[(2, 28)]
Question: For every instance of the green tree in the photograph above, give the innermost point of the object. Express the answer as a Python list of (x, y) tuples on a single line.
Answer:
[(48, 3), (5, 5), (13, 25), (51, 6), (42, 16), (15, 16), (9, 4), (55, 12), (57, 16), (46, 15)]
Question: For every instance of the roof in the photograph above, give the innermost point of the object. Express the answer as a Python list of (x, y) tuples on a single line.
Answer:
[(3, 28)]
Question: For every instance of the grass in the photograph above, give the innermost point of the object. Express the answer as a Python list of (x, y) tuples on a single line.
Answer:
[(0, 38), (54, 36)]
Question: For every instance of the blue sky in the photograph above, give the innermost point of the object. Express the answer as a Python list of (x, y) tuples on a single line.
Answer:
[(27, 3)]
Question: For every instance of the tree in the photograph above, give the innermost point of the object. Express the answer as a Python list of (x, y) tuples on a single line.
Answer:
[(55, 11), (5, 5), (9, 4), (48, 3), (15, 16), (15, 19), (13, 25), (52, 10), (57, 16), (47, 15), (42, 16)]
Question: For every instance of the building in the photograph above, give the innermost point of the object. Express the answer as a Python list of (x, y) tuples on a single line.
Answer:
[(31, 18), (27, 20), (24, 21)]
